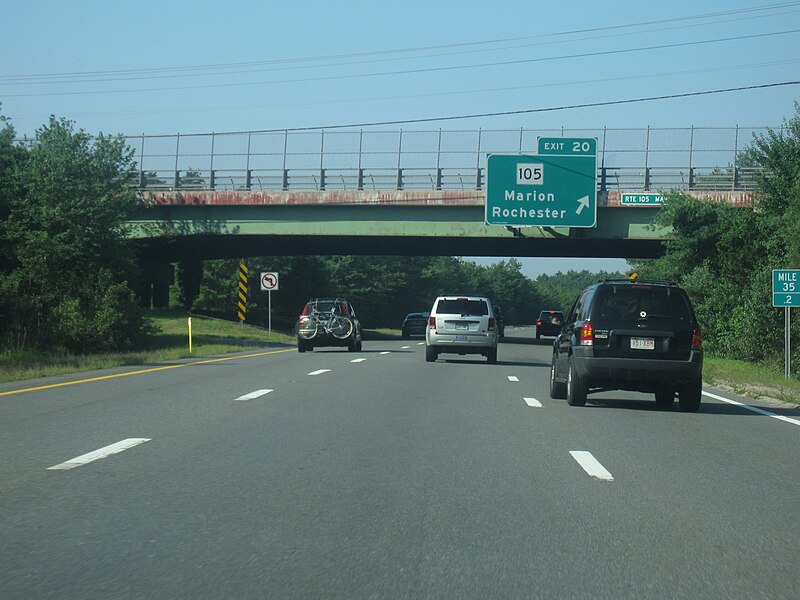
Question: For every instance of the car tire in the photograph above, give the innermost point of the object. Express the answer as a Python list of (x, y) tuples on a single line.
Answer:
[(491, 356), (690, 395), (558, 390), (352, 344), (665, 398), (431, 354), (304, 346), (538, 335), (358, 345), (576, 386)]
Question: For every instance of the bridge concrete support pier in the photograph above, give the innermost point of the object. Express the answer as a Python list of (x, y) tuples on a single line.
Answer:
[(156, 278)]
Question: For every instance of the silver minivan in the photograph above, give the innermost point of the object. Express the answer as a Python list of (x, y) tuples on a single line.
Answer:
[(461, 325)]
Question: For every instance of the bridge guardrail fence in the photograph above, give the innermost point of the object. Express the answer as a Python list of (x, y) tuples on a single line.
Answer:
[(692, 158)]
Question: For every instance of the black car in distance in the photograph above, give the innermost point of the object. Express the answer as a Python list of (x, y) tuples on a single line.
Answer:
[(415, 324), (630, 335), (549, 323)]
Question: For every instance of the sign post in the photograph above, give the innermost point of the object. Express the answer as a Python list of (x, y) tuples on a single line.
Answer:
[(555, 188), (269, 282), (786, 293)]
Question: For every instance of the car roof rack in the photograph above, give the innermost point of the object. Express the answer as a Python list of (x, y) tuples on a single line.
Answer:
[(637, 280)]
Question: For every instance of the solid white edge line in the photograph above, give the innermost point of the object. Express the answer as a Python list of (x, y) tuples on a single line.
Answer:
[(753, 408), (533, 402), (513, 378), (591, 465), (319, 371), (84, 459), (252, 395), (358, 360)]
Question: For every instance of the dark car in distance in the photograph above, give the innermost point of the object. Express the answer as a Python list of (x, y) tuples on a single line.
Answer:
[(549, 323), (415, 323), (328, 322), (628, 334)]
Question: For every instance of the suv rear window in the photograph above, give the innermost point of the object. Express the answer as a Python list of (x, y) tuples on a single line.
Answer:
[(631, 303), (462, 306)]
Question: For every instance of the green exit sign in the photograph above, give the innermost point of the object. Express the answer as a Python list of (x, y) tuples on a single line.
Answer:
[(645, 198), (555, 188)]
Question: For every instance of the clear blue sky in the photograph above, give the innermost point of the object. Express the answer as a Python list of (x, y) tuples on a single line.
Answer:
[(190, 67)]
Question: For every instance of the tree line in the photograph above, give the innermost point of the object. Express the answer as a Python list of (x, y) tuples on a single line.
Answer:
[(69, 275)]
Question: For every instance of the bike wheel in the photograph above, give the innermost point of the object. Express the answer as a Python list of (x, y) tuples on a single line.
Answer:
[(341, 327)]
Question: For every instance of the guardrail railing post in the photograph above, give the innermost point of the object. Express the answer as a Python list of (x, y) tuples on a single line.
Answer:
[(285, 182), (248, 179), (142, 179), (691, 178), (603, 176), (322, 179), (360, 178), (212, 180), (479, 179), (399, 178), (177, 180), (735, 178), (647, 178), (438, 178)]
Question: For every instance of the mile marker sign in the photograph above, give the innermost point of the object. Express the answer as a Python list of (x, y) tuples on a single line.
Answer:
[(555, 188), (269, 282)]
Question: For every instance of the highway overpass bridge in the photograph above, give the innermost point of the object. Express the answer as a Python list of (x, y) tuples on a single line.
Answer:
[(406, 193)]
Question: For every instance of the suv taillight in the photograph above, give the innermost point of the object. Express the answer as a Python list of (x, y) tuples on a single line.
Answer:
[(491, 323), (432, 322), (697, 339), (538, 323), (587, 337)]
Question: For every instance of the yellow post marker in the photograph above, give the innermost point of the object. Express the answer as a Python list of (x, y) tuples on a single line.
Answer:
[(190, 335)]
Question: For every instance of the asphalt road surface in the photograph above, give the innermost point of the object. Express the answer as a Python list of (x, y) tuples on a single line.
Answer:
[(333, 474)]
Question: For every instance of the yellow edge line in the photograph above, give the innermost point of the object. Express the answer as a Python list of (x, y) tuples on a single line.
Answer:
[(199, 362)]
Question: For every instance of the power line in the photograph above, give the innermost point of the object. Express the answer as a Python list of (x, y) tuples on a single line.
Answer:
[(9, 78), (423, 70), (517, 112), (169, 73)]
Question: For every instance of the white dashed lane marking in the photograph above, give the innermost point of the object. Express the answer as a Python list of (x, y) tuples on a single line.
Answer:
[(85, 459), (252, 395), (513, 378), (533, 402), (320, 372), (387, 352), (405, 347), (753, 408), (591, 465), (358, 360)]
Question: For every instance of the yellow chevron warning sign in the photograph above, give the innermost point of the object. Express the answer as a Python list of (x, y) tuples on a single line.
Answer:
[(242, 302)]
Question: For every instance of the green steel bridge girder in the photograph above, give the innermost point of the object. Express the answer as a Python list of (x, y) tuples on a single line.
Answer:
[(176, 232)]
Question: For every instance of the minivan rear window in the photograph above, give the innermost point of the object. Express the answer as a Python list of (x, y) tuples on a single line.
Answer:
[(629, 303), (462, 306)]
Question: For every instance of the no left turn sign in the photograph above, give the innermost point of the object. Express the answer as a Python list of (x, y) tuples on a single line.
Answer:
[(269, 282)]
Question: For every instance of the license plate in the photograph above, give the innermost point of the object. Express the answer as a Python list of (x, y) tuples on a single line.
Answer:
[(462, 327), (643, 343), (461, 337)]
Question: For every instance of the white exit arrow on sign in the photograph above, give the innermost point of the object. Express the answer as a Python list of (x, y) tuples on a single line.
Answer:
[(582, 203)]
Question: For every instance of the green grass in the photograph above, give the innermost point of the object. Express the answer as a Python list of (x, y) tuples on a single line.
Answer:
[(210, 337), (750, 379)]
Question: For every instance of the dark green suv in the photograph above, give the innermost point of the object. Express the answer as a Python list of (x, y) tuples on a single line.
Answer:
[(630, 335)]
